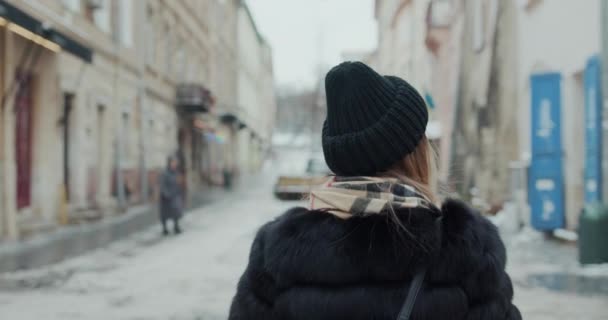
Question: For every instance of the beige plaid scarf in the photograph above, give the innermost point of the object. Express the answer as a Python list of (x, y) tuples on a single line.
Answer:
[(346, 197)]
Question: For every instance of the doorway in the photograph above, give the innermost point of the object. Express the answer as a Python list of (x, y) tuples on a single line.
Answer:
[(101, 146), (23, 138), (68, 103)]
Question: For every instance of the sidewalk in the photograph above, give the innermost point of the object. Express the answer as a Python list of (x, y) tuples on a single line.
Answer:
[(73, 240), (549, 282), (148, 276)]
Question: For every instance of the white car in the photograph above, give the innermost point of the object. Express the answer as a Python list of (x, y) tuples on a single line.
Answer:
[(297, 187)]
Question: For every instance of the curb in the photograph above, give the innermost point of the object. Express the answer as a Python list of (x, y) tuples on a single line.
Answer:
[(70, 241), (74, 240)]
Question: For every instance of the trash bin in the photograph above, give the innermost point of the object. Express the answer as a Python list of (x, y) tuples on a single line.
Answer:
[(593, 234), (227, 179)]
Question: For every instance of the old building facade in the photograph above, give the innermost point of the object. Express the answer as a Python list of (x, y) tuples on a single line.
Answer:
[(255, 91), (519, 111), (91, 110), (401, 51)]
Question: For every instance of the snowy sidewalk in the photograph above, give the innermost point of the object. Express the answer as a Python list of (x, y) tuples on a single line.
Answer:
[(549, 282), (190, 276)]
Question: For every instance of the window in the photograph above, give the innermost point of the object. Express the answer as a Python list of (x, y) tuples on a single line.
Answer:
[(440, 13), (192, 71), (150, 37), (168, 50), (528, 4), (126, 138), (89, 13), (98, 12), (99, 152), (478, 25), (72, 5), (125, 23), (180, 62)]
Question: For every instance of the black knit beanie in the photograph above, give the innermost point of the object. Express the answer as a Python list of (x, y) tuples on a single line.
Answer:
[(372, 120)]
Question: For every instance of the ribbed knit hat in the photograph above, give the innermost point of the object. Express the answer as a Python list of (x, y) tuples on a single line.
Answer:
[(372, 120)]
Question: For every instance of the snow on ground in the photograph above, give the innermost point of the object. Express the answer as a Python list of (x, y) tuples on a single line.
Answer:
[(190, 276)]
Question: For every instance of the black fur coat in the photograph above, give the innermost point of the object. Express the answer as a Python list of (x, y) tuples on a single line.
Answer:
[(313, 266)]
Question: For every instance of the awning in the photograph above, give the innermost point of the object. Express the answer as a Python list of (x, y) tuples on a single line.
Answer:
[(213, 138), (230, 118), (33, 29)]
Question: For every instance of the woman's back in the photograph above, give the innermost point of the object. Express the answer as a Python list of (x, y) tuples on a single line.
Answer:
[(312, 265)]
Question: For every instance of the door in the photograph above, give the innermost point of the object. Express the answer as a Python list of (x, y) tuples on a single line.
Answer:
[(593, 132), (23, 138), (100, 161), (68, 102), (546, 182)]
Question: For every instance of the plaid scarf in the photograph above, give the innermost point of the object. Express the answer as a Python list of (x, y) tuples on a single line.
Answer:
[(346, 197)]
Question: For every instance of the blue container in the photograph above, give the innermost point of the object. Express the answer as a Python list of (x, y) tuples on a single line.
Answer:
[(593, 132), (545, 176)]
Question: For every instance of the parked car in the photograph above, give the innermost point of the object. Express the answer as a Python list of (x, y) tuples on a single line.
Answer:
[(297, 187)]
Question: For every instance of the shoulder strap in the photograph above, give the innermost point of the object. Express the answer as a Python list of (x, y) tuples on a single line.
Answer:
[(416, 285), (412, 294)]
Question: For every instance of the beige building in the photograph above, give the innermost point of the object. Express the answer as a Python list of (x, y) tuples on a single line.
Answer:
[(97, 94), (484, 135), (401, 50), (443, 39), (459, 54), (255, 91), (484, 57)]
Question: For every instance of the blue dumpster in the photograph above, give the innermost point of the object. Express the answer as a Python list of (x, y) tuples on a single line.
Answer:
[(545, 176), (593, 132)]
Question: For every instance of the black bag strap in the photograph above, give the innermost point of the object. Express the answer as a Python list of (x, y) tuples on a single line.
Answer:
[(412, 294), (416, 285)]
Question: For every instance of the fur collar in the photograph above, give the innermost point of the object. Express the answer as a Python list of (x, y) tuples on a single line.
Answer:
[(317, 248)]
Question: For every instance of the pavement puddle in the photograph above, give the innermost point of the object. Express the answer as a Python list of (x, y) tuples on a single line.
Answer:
[(570, 283)]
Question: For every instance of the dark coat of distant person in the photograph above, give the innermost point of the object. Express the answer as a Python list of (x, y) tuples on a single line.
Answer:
[(171, 198)]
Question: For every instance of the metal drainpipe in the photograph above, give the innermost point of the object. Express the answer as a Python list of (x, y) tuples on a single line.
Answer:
[(118, 141), (3, 210), (457, 105), (143, 111), (604, 79)]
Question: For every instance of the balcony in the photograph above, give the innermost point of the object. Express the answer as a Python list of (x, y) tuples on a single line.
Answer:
[(192, 97)]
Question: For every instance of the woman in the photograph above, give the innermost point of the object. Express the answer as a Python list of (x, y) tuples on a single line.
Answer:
[(171, 197), (373, 245)]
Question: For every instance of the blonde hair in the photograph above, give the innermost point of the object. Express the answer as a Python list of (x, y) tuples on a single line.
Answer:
[(417, 169)]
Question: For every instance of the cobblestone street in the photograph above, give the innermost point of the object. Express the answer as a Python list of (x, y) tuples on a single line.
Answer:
[(193, 276)]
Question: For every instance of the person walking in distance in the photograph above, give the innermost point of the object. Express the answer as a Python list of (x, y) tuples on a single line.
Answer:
[(375, 242), (171, 197)]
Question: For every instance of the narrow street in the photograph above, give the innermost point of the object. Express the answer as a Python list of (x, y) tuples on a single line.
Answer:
[(193, 275)]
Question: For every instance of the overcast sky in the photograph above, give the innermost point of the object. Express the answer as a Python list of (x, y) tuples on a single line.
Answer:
[(304, 34)]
